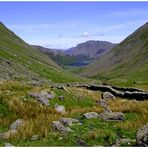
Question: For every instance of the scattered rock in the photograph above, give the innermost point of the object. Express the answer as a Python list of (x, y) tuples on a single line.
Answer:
[(124, 142), (107, 110), (9, 145), (68, 121), (103, 103), (57, 125), (107, 95), (112, 116), (34, 137), (90, 115), (8, 134), (40, 98), (47, 95), (142, 136), (16, 124), (60, 109), (61, 98)]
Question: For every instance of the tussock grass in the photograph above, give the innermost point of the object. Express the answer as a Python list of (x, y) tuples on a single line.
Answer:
[(77, 101)]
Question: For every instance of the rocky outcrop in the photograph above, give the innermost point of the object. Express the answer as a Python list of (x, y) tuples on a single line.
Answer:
[(13, 129), (142, 136), (107, 95), (47, 95), (91, 115), (107, 114), (16, 124), (103, 103), (57, 125), (69, 121), (43, 97), (112, 116), (63, 124), (40, 98)]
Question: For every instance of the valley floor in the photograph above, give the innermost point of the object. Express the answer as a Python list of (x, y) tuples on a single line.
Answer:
[(15, 103)]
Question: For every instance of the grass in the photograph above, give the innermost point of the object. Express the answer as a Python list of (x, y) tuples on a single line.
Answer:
[(77, 101), (125, 63), (15, 103), (28, 63)]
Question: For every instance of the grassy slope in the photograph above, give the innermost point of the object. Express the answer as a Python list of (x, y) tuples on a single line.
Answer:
[(29, 61), (127, 61), (77, 101)]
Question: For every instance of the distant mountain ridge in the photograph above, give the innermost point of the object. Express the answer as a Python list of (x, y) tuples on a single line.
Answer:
[(92, 49), (81, 55)]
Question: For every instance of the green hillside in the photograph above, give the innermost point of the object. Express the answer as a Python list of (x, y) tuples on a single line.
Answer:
[(128, 61), (20, 61), (67, 115)]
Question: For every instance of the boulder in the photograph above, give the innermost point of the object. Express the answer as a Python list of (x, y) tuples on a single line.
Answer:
[(16, 124), (112, 116), (103, 103), (8, 134), (60, 109), (142, 136), (91, 115), (68, 121), (40, 98), (47, 95), (9, 145), (107, 95), (57, 125)]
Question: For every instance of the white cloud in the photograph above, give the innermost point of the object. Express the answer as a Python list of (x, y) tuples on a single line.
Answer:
[(78, 33), (85, 34), (107, 30)]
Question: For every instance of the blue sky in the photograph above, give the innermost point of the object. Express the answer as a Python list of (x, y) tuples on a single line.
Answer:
[(65, 24)]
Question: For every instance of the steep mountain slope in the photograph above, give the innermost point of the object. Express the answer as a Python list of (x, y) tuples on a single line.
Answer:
[(92, 49), (128, 59), (48, 50), (20, 61)]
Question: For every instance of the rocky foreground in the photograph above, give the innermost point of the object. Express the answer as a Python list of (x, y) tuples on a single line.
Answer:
[(66, 124)]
